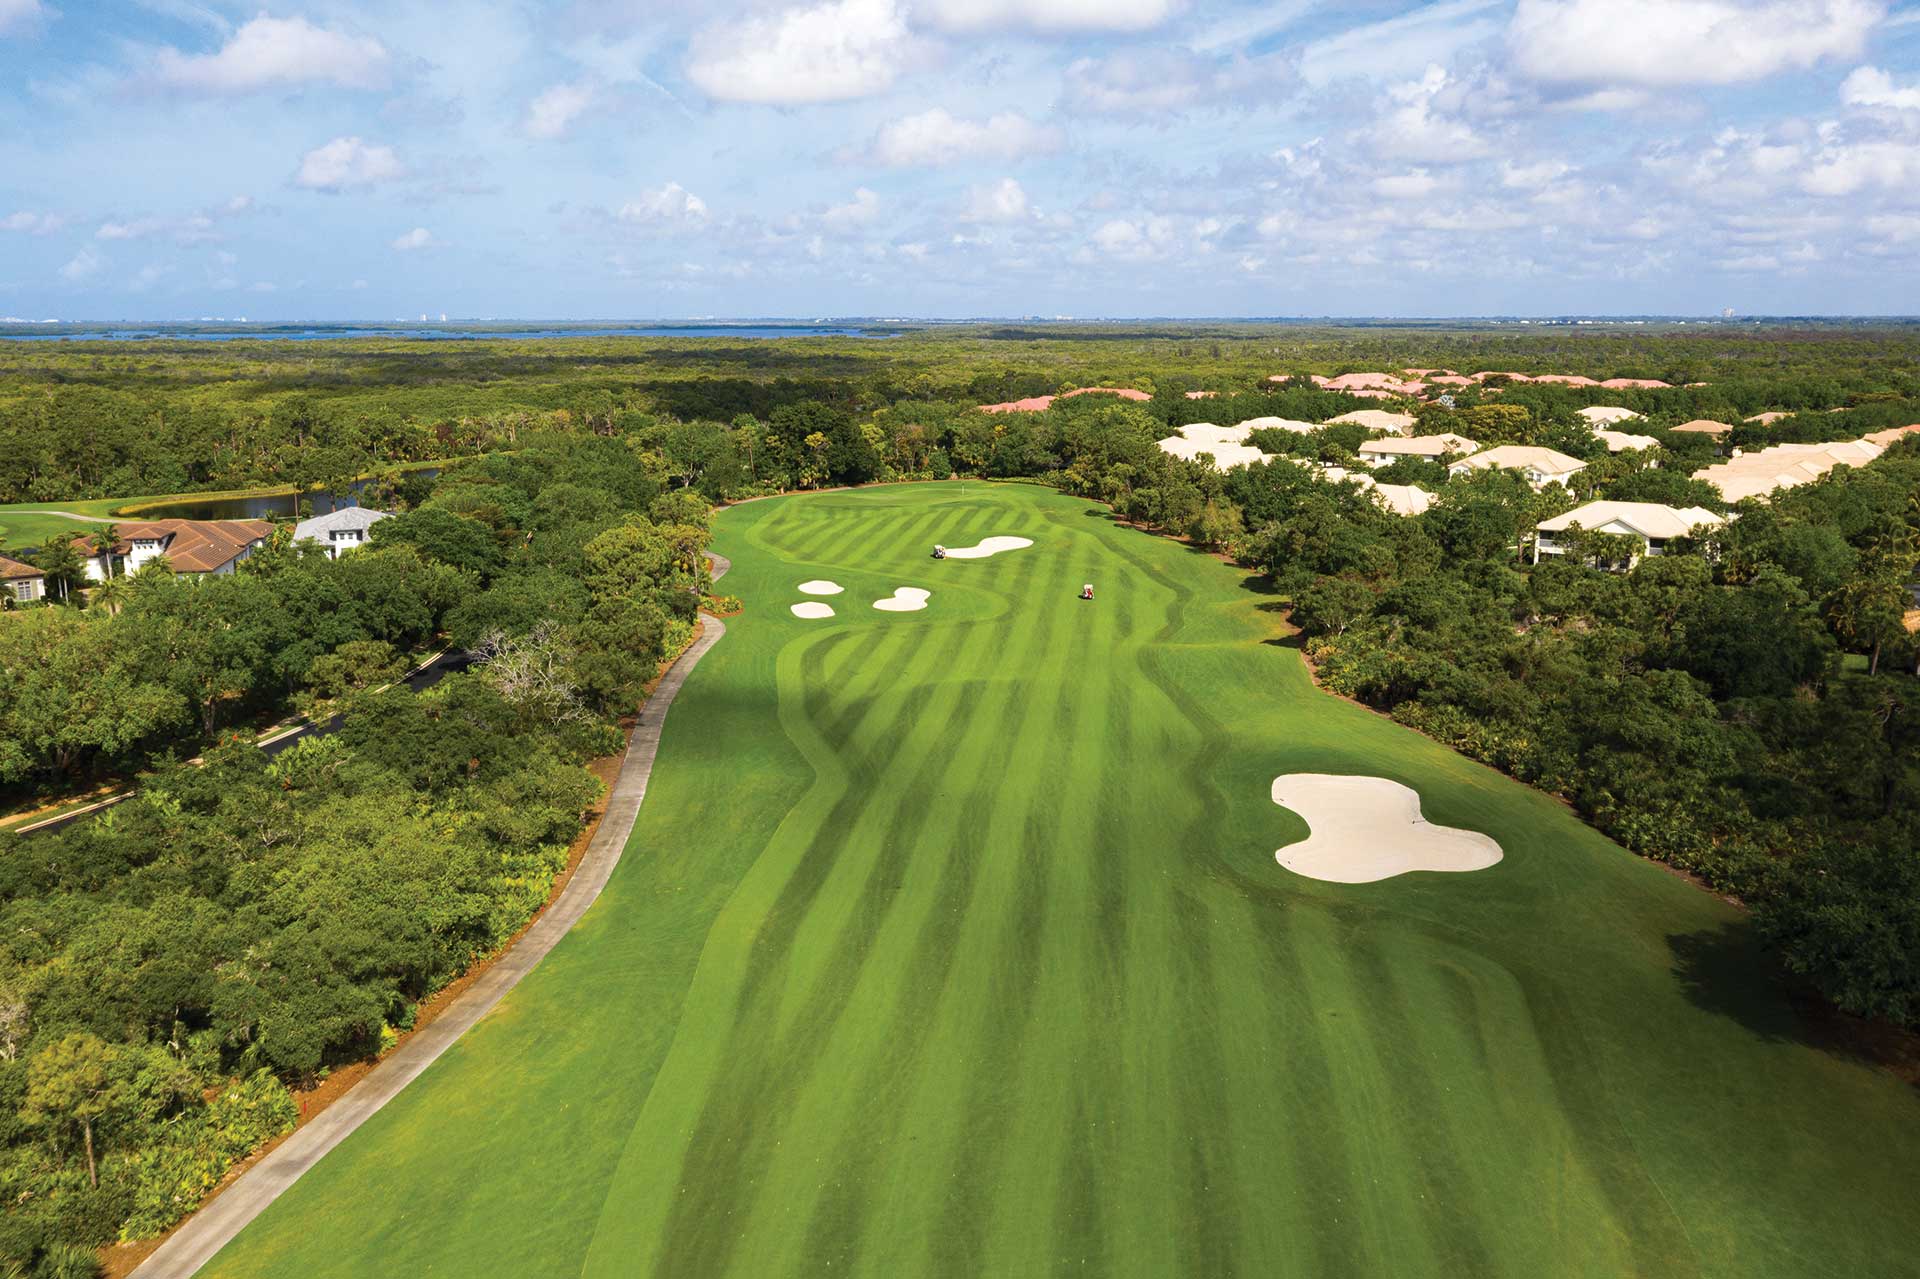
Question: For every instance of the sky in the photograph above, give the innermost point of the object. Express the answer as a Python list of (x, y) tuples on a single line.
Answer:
[(634, 159)]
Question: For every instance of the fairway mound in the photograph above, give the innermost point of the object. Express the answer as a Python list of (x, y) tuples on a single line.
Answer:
[(989, 546), (905, 599), (820, 586), (1362, 829), (812, 610)]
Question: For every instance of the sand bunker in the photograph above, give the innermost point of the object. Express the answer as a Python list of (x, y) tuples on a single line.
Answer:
[(812, 609), (991, 546), (1362, 829), (819, 586), (905, 599)]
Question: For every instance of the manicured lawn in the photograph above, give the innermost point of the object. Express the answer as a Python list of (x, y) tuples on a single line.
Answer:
[(31, 524), (952, 943)]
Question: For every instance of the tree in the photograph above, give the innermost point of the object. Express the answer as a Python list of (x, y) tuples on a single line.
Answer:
[(74, 1080), (64, 565), (1869, 612)]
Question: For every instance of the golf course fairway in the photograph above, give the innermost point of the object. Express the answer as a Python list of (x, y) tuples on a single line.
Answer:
[(952, 942)]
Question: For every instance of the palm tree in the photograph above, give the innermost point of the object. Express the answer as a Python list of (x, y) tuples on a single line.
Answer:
[(110, 595), (105, 538), (64, 565)]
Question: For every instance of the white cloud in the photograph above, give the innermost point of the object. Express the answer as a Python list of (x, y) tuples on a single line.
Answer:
[(270, 52), (826, 52), (1897, 228), (1531, 177), (348, 162), (669, 204), (1846, 169), (1417, 127), (18, 15), (1136, 240), (27, 222), (148, 276), (858, 212), (83, 265), (1872, 87), (1002, 201), (554, 111), (414, 240), (937, 137), (1411, 185), (1672, 43), (1046, 15), (1148, 81)]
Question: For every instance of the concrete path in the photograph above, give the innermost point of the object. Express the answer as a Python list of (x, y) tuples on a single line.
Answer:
[(208, 1231)]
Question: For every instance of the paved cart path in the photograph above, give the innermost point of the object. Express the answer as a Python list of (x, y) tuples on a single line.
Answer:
[(207, 1232)]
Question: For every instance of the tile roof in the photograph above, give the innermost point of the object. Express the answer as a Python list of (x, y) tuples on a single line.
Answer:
[(12, 569)]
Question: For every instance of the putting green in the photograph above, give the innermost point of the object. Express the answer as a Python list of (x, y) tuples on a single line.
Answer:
[(952, 942)]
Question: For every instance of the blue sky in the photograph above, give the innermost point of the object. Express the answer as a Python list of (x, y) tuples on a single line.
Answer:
[(619, 158)]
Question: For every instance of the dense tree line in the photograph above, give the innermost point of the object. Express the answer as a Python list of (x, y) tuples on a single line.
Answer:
[(169, 968)]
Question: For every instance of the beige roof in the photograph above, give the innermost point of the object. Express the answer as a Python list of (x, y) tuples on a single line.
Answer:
[(1278, 424), (1704, 426), (1768, 418), (1524, 457), (1607, 414), (1227, 445), (1621, 441), (1786, 465), (1418, 446), (11, 569), (1379, 420), (1402, 499), (1649, 519)]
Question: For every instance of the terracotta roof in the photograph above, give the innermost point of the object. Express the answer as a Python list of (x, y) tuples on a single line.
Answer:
[(1704, 426), (1786, 465), (1035, 404), (1356, 382), (194, 546), (11, 569), (1124, 392)]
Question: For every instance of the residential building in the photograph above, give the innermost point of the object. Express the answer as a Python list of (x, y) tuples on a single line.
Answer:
[(190, 546), (1782, 466), (1703, 426), (1402, 499), (1378, 420), (1383, 452), (1621, 441), (21, 583), (340, 530), (1225, 444), (1654, 524), (1540, 466), (1607, 414)]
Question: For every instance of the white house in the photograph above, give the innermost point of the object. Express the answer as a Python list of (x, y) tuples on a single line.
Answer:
[(1402, 499), (190, 546), (1540, 466), (340, 530), (1383, 452), (1225, 444), (1651, 522), (21, 583)]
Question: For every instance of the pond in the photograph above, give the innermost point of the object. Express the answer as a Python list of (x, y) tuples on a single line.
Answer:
[(266, 506)]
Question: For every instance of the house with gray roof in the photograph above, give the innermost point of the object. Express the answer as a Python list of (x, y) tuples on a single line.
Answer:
[(340, 530)]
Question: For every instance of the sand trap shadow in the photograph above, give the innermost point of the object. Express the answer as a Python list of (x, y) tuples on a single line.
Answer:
[(1363, 829), (905, 599)]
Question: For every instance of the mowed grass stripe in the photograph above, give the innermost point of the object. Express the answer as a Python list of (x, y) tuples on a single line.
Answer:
[(1072, 1017)]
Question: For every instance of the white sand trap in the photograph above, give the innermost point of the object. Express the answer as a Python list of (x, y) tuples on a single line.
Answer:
[(991, 546), (905, 599), (1361, 829), (812, 609), (820, 586)]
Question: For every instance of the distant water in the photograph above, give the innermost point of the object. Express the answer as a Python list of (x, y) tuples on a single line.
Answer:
[(422, 332)]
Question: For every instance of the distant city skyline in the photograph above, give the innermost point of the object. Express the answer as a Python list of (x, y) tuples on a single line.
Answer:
[(926, 159)]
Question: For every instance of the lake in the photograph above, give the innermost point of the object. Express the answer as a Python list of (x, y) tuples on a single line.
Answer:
[(263, 506)]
